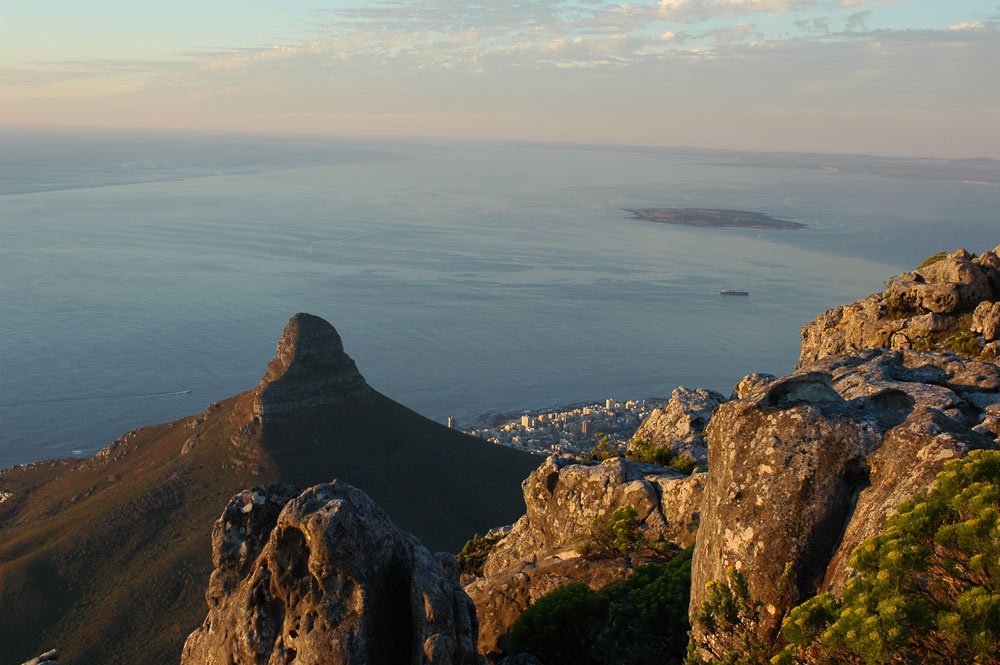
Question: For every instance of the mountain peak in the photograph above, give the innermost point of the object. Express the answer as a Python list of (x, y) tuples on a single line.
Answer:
[(310, 370)]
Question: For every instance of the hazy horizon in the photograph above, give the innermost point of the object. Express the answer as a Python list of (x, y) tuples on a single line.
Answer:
[(902, 78)]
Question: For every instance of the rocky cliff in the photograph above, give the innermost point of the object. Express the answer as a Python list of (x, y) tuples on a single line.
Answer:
[(679, 426), (310, 371), (803, 468), (324, 576), (948, 304)]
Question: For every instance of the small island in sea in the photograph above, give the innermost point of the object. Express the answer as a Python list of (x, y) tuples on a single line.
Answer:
[(715, 217)]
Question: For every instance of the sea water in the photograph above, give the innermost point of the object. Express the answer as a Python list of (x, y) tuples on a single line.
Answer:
[(463, 277)]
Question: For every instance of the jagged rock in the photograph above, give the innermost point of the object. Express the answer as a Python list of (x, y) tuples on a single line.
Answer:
[(986, 320), (751, 383), (805, 468), (46, 658), (311, 370), (563, 498), (326, 577), (936, 295), (679, 425), (501, 598)]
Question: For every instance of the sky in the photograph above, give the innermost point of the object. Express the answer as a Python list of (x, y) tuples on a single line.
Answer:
[(889, 77)]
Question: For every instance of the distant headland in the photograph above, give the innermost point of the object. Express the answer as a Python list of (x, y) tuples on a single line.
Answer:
[(714, 217)]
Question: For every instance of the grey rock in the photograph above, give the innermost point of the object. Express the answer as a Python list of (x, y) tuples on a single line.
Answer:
[(751, 383), (563, 498), (311, 370), (326, 577), (806, 468), (678, 426)]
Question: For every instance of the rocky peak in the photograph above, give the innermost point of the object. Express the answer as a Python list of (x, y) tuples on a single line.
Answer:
[(311, 370), (948, 303)]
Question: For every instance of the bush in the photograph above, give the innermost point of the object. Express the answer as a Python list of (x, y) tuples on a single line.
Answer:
[(642, 450), (559, 627), (932, 259), (964, 343), (927, 589), (618, 534), (641, 620), (472, 558), (728, 619)]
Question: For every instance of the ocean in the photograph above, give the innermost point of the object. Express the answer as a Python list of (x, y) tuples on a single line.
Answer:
[(463, 276)]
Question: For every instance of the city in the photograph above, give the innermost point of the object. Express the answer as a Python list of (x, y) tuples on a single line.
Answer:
[(569, 429)]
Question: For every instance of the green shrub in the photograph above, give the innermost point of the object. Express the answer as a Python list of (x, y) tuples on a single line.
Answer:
[(728, 619), (896, 308), (927, 589), (642, 450), (964, 343), (641, 620), (472, 558), (932, 259), (559, 627)]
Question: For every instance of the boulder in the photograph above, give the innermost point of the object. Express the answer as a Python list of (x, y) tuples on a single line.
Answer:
[(986, 321), (803, 469), (325, 577), (678, 426), (563, 498)]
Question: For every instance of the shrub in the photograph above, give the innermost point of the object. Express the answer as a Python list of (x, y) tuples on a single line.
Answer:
[(642, 450), (964, 343), (896, 308), (641, 620), (932, 259), (559, 627), (927, 589), (618, 534), (728, 618), (472, 558)]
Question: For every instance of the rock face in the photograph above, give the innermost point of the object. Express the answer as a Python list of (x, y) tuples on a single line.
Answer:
[(311, 370), (806, 467), (920, 310), (563, 498), (47, 658), (678, 425), (539, 555), (986, 320), (325, 577)]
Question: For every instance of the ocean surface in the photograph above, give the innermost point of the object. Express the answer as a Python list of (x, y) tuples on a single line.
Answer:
[(463, 277)]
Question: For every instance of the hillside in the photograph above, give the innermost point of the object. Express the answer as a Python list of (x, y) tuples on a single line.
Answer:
[(108, 557)]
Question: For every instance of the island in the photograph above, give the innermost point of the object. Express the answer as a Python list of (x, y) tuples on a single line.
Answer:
[(714, 217)]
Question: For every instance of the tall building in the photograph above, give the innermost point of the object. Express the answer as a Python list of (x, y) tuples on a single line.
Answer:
[(610, 404), (451, 422), (526, 420)]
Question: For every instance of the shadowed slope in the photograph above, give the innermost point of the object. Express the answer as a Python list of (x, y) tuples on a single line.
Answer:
[(108, 557)]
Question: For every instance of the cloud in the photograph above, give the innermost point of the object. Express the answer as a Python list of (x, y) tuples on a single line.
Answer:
[(857, 20)]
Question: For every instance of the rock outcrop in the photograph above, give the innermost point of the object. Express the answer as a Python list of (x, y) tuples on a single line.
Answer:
[(804, 468), (678, 426), (539, 554), (921, 310), (48, 658), (311, 370), (563, 498), (325, 577)]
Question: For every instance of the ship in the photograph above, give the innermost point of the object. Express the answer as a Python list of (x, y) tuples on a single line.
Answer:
[(730, 292)]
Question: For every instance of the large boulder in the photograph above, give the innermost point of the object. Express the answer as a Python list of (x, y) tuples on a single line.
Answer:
[(678, 426), (564, 497), (325, 577), (806, 467), (921, 309), (986, 320)]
